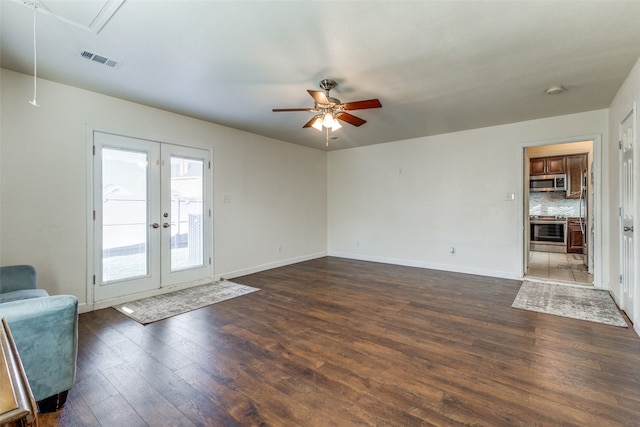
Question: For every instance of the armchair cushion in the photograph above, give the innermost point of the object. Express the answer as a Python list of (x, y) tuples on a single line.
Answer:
[(22, 294), (45, 331), (17, 277)]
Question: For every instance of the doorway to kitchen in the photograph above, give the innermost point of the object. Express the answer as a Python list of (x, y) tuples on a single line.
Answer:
[(559, 215)]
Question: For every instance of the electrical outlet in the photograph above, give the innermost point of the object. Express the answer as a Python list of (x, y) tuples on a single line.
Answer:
[(279, 249)]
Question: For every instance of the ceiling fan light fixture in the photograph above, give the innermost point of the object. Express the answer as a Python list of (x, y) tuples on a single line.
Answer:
[(317, 123), (330, 112), (328, 120)]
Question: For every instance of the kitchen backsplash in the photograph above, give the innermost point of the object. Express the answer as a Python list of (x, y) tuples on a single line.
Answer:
[(553, 203)]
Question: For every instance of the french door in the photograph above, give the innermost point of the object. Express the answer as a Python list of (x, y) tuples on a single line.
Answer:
[(151, 215)]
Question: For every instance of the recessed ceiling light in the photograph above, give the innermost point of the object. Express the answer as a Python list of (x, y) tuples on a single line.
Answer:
[(554, 90)]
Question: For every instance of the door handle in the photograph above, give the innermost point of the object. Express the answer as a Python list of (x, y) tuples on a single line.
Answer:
[(155, 225), (166, 225), (628, 228)]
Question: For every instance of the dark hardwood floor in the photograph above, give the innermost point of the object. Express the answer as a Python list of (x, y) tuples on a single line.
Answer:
[(336, 342)]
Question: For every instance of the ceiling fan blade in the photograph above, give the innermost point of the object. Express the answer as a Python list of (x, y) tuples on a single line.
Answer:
[(280, 110), (362, 105), (319, 96), (351, 119)]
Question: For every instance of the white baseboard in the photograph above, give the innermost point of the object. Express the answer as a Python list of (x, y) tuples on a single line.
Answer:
[(263, 267), (434, 266), (85, 308)]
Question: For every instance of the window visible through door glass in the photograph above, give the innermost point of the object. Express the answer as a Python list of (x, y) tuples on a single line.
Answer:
[(124, 214), (187, 213)]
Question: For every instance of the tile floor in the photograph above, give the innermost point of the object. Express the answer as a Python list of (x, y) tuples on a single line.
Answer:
[(554, 266)]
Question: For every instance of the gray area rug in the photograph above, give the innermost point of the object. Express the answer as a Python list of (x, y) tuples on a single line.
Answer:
[(593, 305), (152, 309)]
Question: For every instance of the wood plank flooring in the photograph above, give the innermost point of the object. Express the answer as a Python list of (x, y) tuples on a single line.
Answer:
[(337, 342)]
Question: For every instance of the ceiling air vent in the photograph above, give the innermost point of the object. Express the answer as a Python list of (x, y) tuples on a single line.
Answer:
[(99, 59)]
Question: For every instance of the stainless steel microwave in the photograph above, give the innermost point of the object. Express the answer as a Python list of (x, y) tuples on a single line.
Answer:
[(548, 182)]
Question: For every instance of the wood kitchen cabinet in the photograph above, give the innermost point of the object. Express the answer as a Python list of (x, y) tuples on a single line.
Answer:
[(576, 167), (575, 238), (547, 165)]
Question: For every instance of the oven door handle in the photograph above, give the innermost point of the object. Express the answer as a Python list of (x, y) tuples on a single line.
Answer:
[(548, 222)]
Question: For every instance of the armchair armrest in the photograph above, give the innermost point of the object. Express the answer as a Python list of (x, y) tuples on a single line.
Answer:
[(45, 331), (17, 277)]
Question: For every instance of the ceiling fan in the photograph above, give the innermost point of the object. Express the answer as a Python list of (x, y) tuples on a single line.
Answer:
[(330, 111)]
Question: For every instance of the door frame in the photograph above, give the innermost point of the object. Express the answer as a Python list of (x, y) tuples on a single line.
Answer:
[(596, 208), (92, 304)]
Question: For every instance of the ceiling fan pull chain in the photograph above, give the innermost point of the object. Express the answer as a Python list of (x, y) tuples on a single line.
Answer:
[(34, 101)]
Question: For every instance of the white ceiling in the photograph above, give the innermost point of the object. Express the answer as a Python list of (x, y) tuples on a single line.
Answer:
[(436, 66)]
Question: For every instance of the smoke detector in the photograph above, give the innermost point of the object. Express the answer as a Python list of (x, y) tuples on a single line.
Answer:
[(554, 90)]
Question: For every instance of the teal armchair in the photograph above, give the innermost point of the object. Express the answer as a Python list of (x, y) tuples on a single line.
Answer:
[(45, 331)]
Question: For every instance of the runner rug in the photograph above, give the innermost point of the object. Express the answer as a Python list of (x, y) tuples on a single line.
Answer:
[(593, 305), (152, 309)]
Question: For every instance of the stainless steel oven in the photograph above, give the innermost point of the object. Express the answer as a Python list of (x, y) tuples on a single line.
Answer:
[(548, 234)]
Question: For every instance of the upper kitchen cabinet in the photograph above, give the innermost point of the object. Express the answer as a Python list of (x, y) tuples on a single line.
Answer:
[(576, 173), (547, 165)]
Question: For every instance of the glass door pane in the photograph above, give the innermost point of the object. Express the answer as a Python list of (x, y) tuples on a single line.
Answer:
[(125, 235), (187, 213)]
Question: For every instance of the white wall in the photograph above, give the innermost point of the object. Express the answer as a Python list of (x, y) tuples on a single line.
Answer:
[(278, 190), (622, 104), (408, 202), (405, 202)]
